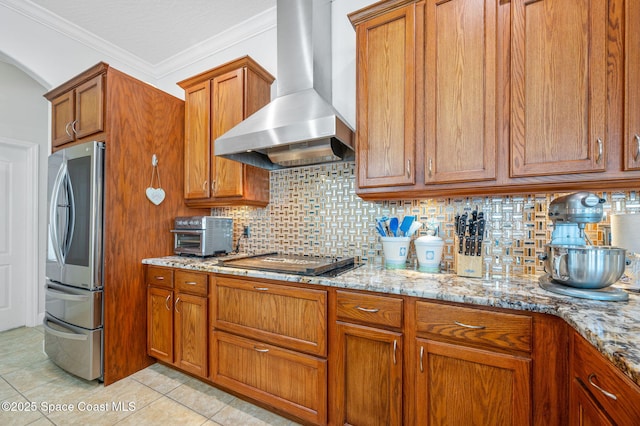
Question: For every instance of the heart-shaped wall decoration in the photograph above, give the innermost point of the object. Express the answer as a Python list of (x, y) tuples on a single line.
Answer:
[(156, 195)]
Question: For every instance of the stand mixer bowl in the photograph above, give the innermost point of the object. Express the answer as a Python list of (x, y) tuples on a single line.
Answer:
[(587, 267)]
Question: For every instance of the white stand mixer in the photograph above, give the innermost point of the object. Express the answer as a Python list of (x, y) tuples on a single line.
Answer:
[(574, 266)]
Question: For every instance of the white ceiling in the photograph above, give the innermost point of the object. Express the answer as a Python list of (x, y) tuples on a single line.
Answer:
[(154, 31)]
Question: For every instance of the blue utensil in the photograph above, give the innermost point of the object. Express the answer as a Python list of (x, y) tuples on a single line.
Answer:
[(406, 224), (380, 229), (393, 226)]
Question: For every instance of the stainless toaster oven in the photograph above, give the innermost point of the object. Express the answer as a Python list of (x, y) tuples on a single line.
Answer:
[(202, 235)]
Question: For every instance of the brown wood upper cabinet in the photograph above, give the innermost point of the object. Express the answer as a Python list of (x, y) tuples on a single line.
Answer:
[(386, 98), (559, 87), (460, 90), (632, 110), (215, 101), (78, 112)]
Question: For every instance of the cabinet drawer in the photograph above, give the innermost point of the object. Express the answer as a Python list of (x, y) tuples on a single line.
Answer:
[(371, 309), (285, 316), (595, 371), (159, 277), (191, 282), (288, 380), (468, 325)]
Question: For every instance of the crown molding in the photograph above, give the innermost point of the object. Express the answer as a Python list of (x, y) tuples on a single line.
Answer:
[(246, 30), (237, 34)]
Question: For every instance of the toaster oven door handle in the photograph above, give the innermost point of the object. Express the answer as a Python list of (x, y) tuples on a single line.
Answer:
[(188, 231)]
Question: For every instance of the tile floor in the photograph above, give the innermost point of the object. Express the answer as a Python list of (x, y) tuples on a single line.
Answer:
[(156, 395)]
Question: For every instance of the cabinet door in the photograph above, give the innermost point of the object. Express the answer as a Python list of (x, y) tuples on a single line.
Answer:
[(386, 135), (584, 411), (369, 376), (632, 139), (191, 333), (559, 87), (197, 141), (160, 323), (460, 104), (62, 111), (457, 385), (89, 117), (287, 380), (227, 110)]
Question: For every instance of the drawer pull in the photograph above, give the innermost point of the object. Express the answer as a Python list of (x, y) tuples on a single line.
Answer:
[(607, 394), (166, 302), (421, 358), (159, 278), (475, 327), (191, 282), (261, 288), (262, 350), (395, 347), (370, 310)]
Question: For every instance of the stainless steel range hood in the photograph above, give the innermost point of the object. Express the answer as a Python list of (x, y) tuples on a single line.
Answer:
[(300, 126)]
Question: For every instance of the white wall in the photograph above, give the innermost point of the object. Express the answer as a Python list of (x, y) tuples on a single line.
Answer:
[(24, 118)]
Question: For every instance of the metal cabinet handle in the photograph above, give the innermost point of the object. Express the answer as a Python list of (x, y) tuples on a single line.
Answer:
[(261, 288), (66, 129), (177, 300), (159, 278), (421, 358), (191, 282), (204, 184), (370, 310), (262, 350), (73, 126), (166, 303), (607, 394), (395, 348), (637, 139), (430, 166), (475, 327), (600, 150), (408, 168), (213, 185)]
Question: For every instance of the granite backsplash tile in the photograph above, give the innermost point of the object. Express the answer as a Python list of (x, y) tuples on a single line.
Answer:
[(314, 210)]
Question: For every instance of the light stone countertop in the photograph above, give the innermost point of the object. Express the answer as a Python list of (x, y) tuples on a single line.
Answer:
[(612, 327)]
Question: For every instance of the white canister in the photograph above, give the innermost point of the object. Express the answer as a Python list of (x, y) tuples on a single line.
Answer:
[(395, 250), (429, 252)]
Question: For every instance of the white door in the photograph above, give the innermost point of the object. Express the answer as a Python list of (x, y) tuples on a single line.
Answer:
[(14, 277)]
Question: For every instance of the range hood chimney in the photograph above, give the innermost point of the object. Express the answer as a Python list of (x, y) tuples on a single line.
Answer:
[(300, 126)]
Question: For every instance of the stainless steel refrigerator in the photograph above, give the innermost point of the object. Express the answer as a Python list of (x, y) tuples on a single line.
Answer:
[(73, 322)]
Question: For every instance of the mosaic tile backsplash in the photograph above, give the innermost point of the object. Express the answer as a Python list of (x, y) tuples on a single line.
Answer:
[(314, 210)]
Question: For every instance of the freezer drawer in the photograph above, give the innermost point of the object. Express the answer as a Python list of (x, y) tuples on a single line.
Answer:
[(82, 308), (74, 349)]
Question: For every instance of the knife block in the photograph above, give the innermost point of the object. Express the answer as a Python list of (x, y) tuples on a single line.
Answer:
[(468, 266)]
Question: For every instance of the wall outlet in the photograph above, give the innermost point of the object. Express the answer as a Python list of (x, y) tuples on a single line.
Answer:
[(246, 232)]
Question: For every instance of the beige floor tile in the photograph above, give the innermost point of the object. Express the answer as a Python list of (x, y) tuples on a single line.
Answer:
[(22, 413), (6, 390), (34, 375), (200, 397), (160, 378), (164, 411), (240, 412)]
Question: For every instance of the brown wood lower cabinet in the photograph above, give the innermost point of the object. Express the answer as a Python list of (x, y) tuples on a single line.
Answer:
[(600, 394), (285, 379), (177, 321), (368, 375), (458, 385)]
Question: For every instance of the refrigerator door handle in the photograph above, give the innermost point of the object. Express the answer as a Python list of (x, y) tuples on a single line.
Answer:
[(54, 232), (71, 213), (62, 334)]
